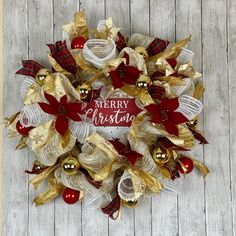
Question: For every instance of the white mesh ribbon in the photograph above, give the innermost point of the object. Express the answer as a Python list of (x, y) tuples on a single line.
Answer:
[(189, 106), (186, 89), (126, 189), (145, 163), (135, 59), (185, 56), (93, 158), (33, 115), (49, 153), (93, 197), (139, 40), (63, 86), (81, 130), (99, 51), (25, 86)]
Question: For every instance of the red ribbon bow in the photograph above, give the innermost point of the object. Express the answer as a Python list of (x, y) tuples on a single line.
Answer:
[(124, 74), (165, 114), (125, 150), (62, 110)]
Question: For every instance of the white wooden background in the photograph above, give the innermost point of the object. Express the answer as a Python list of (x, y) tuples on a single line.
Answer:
[(205, 207)]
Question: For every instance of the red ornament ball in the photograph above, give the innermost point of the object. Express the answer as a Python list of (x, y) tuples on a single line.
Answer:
[(187, 163), (70, 196), (21, 129), (78, 42)]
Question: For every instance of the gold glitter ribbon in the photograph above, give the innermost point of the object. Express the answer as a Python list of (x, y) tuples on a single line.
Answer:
[(201, 167), (152, 183), (104, 145), (49, 194), (37, 180), (78, 27)]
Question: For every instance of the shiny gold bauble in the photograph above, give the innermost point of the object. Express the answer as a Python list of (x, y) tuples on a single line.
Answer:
[(130, 203), (161, 156), (38, 166), (41, 75), (85, 91), (142, 51), (193, 123), (70, 165), (143, 82)]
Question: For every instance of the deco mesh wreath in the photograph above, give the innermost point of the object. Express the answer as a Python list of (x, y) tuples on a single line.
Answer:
[(101, 81)]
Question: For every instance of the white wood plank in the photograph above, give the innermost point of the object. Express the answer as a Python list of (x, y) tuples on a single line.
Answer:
[(120, 13), (15, 181), (93, 220), (67, 217), (41, 219), (140, 24), (231, 10), (191, 209), (216, 119), (63, 13), (164, 206)]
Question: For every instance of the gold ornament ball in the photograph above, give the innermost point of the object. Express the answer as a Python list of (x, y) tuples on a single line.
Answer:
[(193, 123), (130, 203), (142, 51), (41, 75), (37, 166), (161, 156), (70, 165), (85, 91), (143, 82)]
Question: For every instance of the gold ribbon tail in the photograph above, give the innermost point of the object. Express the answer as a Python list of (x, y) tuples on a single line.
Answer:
[(201, 167), (48, 195)]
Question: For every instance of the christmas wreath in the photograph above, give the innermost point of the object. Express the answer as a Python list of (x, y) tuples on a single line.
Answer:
[(114, 119)]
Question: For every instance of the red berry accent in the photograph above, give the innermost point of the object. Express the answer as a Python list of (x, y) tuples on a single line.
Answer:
[(78, 42), (24, 131), (70, 196), (188, 164)]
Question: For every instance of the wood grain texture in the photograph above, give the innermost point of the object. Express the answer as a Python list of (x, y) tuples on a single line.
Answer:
[(15, 200), (191, 205), (204, 207), (231, 28), (39, 217), (216, 120)]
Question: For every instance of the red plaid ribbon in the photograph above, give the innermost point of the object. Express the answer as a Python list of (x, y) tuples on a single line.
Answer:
[(112, 207), (157, 46), (30, 68), (120, 42), (63, 56)]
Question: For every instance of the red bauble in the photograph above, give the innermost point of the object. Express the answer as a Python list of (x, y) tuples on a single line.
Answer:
[(21, 129), (70, 196), (188, 164), (78, 42)]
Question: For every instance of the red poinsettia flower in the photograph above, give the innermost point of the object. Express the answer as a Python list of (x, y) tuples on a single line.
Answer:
[(125, 150), (124, 74), (62, 110), (165, 114)]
